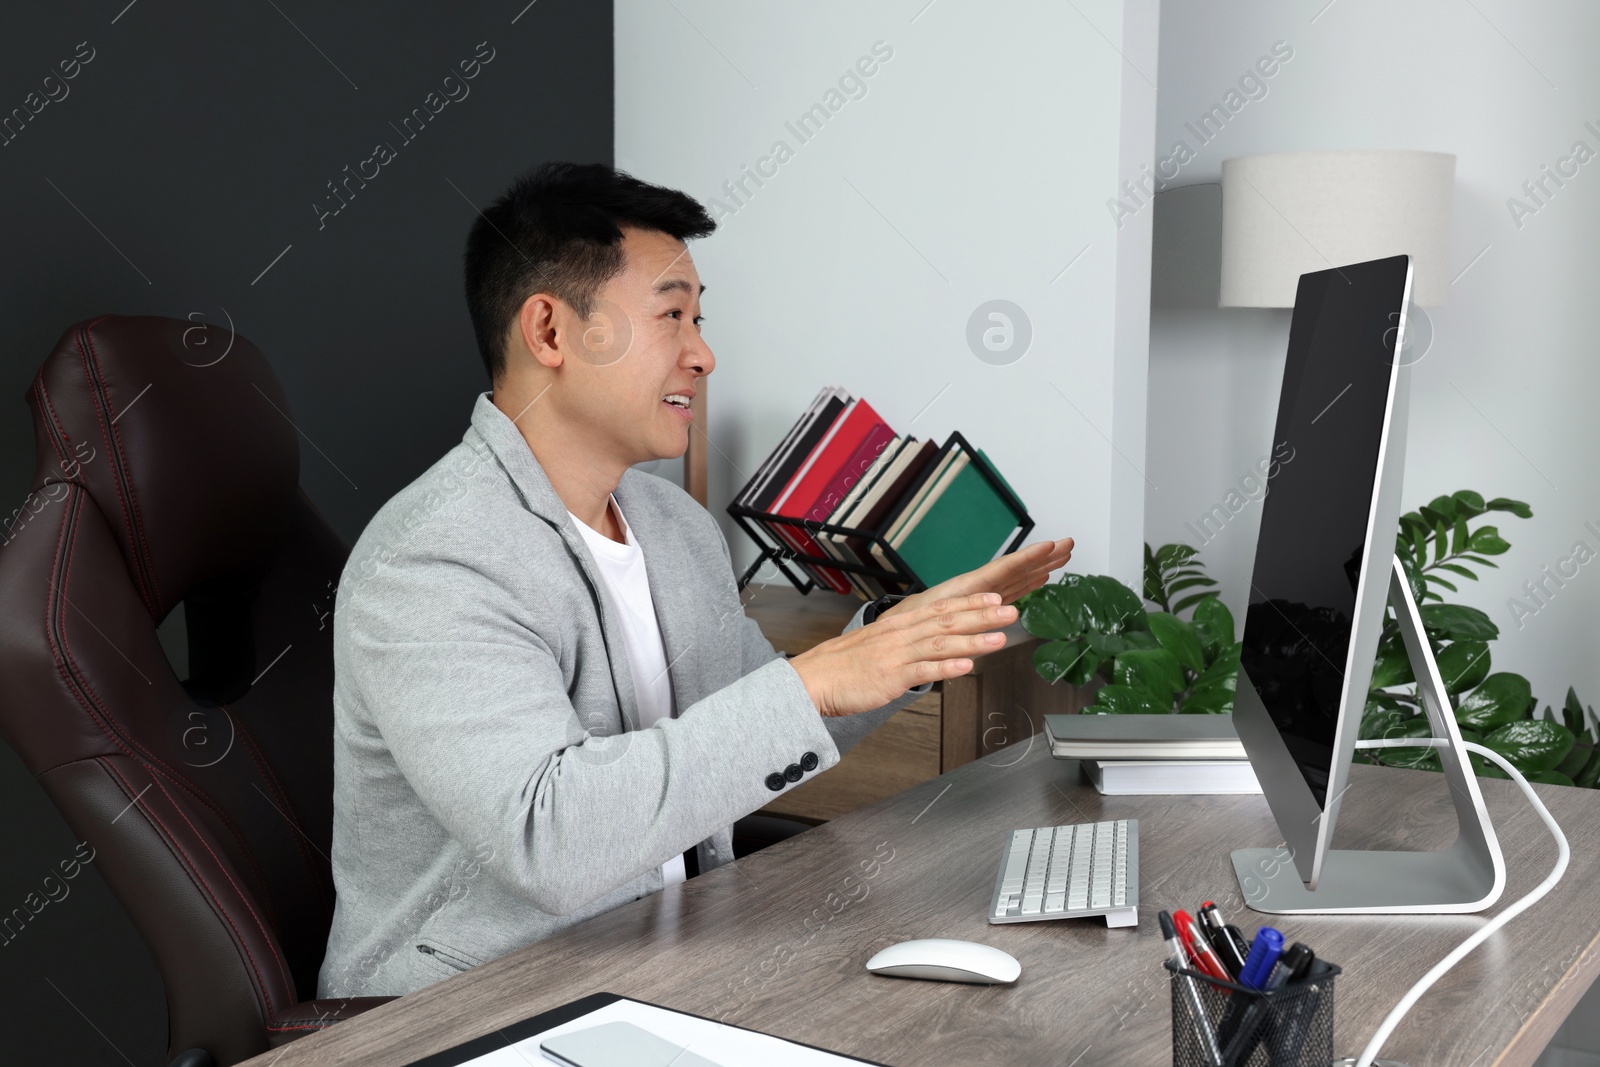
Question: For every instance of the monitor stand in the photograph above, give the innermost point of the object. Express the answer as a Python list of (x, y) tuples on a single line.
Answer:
[(1468, 876)]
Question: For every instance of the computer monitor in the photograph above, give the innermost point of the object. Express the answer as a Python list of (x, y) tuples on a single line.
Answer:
[(1324, 571)]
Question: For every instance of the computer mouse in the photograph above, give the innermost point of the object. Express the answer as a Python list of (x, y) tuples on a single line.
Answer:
[(945, 960)]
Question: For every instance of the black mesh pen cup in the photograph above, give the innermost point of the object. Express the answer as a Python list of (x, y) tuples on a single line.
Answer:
[(1223, 1024)]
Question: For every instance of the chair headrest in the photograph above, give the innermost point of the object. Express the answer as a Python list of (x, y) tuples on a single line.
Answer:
[(181, 433)]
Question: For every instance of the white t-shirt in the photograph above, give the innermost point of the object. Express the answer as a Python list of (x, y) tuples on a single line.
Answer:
[(622, 570)]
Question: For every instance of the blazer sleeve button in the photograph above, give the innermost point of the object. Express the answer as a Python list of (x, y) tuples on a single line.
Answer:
[(808, 762), (775, 781), (793, 772)]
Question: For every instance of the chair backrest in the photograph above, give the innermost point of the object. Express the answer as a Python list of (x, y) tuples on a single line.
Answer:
[(167, 474)]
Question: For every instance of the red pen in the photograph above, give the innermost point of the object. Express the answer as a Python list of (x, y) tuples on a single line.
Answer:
[(1205, 959)]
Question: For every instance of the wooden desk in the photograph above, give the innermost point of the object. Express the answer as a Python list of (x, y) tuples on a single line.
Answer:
[(997, 704), (777, 941)]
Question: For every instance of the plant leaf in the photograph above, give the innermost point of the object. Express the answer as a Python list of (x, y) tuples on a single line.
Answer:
[(1468, 504), (1054, 612), (1211, 700), (1516, 507), (1214, 623), (1152, 578), (1531, 745), (1393, 666), (1223, 671), (1154, 672), (1572, 712), (1378, 722), (1388, 723), (1418, 759), (1575, 762), (1179, 638), (1459, 569), (1499, 699), (1175, 555), (1189, 583), (1071, 661), (1551, 777), (1192, 599), (1590, 775), (1123, 700), (1486, 540), (1463, 665), (1107, 646), (1093, 602), (1458, 622)]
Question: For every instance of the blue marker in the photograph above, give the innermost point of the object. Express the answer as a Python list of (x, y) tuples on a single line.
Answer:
[(1264, 953)]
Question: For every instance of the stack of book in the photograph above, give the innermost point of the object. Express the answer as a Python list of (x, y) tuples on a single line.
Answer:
[(1127, 755), (893, 512)]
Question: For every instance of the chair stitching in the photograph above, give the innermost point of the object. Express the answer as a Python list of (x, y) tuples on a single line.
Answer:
[(60, 662), (122, 458), (133, 497), (44, 394), (265, 934), (200, 882), (64, 658), (116, 482)]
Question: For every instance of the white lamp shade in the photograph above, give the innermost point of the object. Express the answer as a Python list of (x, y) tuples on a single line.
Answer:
[(1291, 213)]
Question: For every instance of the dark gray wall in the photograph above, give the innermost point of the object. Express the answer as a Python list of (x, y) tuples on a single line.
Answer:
[(192, 148)]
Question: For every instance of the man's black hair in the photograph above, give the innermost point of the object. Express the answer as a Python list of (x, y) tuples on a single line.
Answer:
[(558, 230)]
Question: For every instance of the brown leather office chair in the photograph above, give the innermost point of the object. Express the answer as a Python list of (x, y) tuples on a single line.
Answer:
[(168, 473)]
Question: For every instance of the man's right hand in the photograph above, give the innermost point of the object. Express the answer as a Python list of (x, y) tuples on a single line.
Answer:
[(871, 665)]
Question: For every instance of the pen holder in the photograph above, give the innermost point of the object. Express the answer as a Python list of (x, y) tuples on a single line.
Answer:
[(1223, 1024)]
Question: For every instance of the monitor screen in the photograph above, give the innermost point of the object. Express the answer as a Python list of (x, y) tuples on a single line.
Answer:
[(1314, 516)]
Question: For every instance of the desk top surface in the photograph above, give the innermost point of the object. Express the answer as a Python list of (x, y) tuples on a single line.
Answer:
[(778, 941)]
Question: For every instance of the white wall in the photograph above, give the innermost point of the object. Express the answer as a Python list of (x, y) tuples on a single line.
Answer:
[(976, 166), (1504, 400)]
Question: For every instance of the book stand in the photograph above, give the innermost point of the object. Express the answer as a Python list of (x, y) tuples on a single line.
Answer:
[(901, 576)]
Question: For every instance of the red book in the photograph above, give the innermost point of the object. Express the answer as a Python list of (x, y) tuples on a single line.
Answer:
[(809, 486), (845, 480)]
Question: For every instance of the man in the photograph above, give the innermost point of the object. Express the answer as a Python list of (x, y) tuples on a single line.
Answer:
[(548, 701)]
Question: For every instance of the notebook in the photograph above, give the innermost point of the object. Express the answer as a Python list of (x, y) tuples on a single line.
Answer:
[(961, 530), (1164, 777), (880, 501), (518, 1045), (944, 472), (784, 463), (803, 496), (1147, 737)]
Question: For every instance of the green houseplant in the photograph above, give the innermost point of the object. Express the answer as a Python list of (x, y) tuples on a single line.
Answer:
[(1157, 661)]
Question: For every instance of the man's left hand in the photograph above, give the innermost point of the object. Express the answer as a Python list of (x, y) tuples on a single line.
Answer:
[(1012, 576)]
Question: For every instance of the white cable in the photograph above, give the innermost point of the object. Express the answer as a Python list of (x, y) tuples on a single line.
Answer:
[(1488, 929)]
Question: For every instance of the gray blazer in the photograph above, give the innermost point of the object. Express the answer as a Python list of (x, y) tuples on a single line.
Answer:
[(491, 784)]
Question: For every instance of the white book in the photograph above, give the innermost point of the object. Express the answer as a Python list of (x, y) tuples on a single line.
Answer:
[(1168, 777)]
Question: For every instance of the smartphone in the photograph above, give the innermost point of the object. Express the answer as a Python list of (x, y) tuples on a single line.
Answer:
[(617, 1044)]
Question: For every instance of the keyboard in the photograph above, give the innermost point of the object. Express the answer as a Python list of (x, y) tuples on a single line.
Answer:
[(1070, 872)]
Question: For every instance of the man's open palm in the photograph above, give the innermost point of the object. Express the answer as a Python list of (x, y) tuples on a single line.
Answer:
[(1012, 576), (929, 636)]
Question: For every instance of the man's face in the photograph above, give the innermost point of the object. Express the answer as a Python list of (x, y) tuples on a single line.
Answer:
[(640, 345)]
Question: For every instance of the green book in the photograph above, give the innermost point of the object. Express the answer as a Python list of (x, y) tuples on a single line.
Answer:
[(962, 530)]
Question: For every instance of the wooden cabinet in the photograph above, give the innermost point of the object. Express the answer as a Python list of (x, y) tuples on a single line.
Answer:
[(998, 705)]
